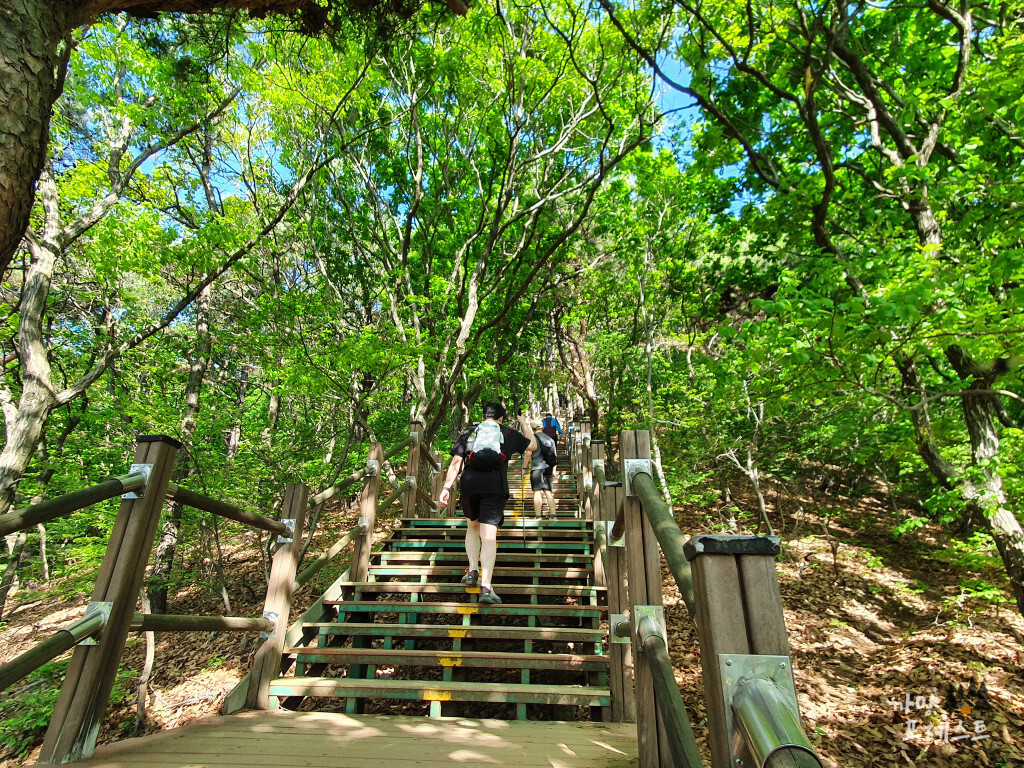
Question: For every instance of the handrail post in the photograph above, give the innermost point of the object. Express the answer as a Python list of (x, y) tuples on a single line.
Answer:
[(621, 654), (745, 651), (436, 483), (367, 517), (587, 472), (266, 665), (644, 564), (410, 503), (78, 713)]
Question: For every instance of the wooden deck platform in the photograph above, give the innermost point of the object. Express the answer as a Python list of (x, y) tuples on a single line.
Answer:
[(285, 739)]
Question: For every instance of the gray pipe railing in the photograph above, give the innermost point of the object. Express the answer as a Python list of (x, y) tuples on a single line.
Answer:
[(51, 509), (51, 648)]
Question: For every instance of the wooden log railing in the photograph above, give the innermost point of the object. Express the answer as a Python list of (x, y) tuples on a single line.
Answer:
[(59, 506), (229, 511), (79, 710)]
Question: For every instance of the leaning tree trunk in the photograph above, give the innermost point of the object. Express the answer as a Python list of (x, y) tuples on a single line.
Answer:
[(31, 79)]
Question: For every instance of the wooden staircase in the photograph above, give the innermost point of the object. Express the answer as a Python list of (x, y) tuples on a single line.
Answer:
[(413, 640)]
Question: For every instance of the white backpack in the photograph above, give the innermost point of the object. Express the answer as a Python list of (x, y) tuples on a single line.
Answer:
[(484, 445)]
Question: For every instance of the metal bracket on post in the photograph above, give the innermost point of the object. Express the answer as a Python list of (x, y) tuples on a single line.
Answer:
[(145, 470), (608, 525), (273, 617), (656, 612), (595, 463), (365, 522), (411, 480), (614, 620), (415, 436), (584, 437), (761, 709), (588, 483), (102, 608), (372, 468), (634, 467), (289, 523)]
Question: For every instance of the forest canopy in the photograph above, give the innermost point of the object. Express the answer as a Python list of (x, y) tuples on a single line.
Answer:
[(786, 238)]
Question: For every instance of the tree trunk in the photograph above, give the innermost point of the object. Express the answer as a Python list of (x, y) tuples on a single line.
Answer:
[(13, 560), (984, 491), (31, 78), (169, 530)]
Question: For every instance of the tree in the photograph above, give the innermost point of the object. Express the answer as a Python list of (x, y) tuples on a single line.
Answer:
[(37, 38)]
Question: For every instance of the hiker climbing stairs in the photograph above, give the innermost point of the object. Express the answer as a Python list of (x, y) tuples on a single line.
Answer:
[(412, 632)]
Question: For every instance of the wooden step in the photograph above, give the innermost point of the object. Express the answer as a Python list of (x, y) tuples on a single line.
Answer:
[(475, 659), (522, 573), (458, 544), (556, 590), (458, 610), (505, 532), (505, 555), (457, 632), (436, 690), (460, 522)]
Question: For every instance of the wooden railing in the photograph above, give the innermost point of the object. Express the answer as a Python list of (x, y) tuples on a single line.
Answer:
[(111, 615), (731, 592)]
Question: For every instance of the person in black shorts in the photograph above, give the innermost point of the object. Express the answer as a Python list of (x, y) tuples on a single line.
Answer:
[(484, 494), (541, 464)]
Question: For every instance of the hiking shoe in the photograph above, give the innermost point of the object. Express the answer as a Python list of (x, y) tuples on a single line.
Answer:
[(487, 596), (472, 578)]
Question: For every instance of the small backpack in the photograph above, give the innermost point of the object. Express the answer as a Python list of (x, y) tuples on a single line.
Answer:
[(485, 454)]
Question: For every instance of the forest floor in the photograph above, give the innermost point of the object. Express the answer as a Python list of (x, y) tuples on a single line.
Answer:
[(881, 631)]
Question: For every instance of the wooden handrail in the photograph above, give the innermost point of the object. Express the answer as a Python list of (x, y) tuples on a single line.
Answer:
[(425, 453), (425, 498), (223, 509), (51, 509), (402, 488), (313, 568), (158, 622), (51, 648), (356, 476), (337, 488), (678, 729), (666, 530)]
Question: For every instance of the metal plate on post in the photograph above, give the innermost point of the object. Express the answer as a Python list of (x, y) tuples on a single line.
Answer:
[(614, 620), (139, 469), (372, 468), (271, 616), (656, 612), (734, 668), (632, 467), (100, 607), (411, 480), (415, 436), (365, 522), (289, 523), (608, 525)]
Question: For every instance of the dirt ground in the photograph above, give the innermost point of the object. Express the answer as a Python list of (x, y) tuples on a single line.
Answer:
[(881, 630)]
